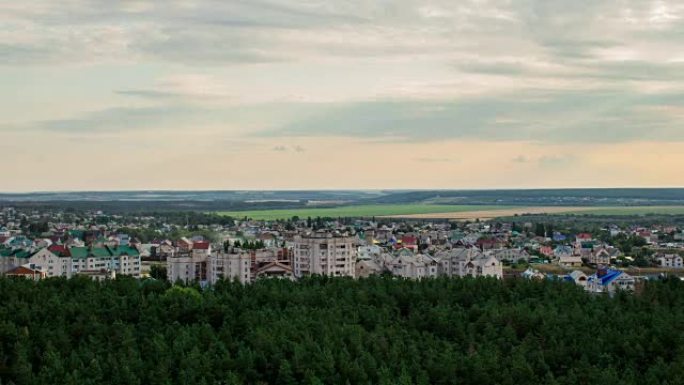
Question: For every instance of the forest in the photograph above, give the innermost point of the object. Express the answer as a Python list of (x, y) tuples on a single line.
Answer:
[(319, 330)]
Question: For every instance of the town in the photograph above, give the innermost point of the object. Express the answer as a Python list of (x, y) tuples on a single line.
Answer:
[(52, 243)]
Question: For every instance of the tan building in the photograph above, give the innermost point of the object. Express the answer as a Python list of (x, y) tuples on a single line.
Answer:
[(325, 253), (229, 266)]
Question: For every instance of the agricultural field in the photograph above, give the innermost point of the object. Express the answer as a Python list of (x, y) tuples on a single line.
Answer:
[(453, 212), (398, 210)]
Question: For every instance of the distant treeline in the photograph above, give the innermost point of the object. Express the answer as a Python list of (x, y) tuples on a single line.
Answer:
[(550, 197), (121, 207), (338, 331), (123, 201)]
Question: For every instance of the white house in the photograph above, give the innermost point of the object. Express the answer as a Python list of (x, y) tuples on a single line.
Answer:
[(609, 281), (673, 261)]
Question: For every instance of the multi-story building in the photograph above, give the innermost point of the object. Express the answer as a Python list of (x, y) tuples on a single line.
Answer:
[(53, 264), (60, 261), (325, 253), (414, 266), (234, 265), (12, 258), (463, 262), (187, 267)]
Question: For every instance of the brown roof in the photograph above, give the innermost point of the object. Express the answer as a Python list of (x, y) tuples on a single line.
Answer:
[(21, 270)]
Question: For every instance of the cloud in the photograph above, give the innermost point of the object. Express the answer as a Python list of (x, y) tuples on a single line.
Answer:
[(435, 160), (556, 161), (295, 148), (541, 116)]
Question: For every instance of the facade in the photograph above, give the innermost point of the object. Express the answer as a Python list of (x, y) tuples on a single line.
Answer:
[(414, 266), (11, 258), (579, 278), (365, 268), (512, 255), (463, 262), (186, 267), (229, 266), (60, 261), (53, 264), (325, 253), (570, 261), (27, 271), (672, 261), (609, 281), (275, 269)]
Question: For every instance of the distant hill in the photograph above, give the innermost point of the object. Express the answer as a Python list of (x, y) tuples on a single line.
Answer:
[(123, 201)]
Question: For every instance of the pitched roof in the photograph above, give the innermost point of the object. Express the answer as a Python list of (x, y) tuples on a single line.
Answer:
[(21, 270), (202, 245)]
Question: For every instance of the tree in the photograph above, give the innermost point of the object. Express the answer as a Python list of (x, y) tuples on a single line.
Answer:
[(158, 272)]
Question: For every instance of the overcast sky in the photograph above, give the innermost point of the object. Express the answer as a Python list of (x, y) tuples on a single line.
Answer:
[(258, 94)]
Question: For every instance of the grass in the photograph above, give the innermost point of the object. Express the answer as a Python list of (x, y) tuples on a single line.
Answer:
[(413, 209), (356, 211)]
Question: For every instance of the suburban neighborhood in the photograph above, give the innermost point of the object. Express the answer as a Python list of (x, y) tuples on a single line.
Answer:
[(39, 245)]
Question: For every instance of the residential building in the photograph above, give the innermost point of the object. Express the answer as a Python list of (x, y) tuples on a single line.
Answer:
[(234, 265), (609, 281), (672, 261), (463, 262), (414, 266), (325, 253), (27, 271)]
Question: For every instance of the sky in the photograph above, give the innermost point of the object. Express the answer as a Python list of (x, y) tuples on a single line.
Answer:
[(183, 94)]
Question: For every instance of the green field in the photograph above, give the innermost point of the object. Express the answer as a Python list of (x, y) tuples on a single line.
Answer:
[(357, 211)]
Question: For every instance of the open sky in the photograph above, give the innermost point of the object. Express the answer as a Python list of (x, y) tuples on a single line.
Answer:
[(273, 94)]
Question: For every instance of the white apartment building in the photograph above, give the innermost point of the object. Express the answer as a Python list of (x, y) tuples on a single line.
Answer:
[(187, 267), (117, 260), (325, 253), (51, 264), (229, 266)]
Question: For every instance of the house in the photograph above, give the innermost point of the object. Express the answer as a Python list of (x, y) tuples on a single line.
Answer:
[(546, 250), (53, 261), (367, 267), (558, 237), (603, 255), (184, 245), (413, 266), (583, 237), (570, 260), (201, 249), (268, 239), (579, 278), (562, 251), (673, 261), (512, 255), (275, 269), (26, 271), (531, 273), (11, 258), (368, 251), (609, 281), (461, 262)]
